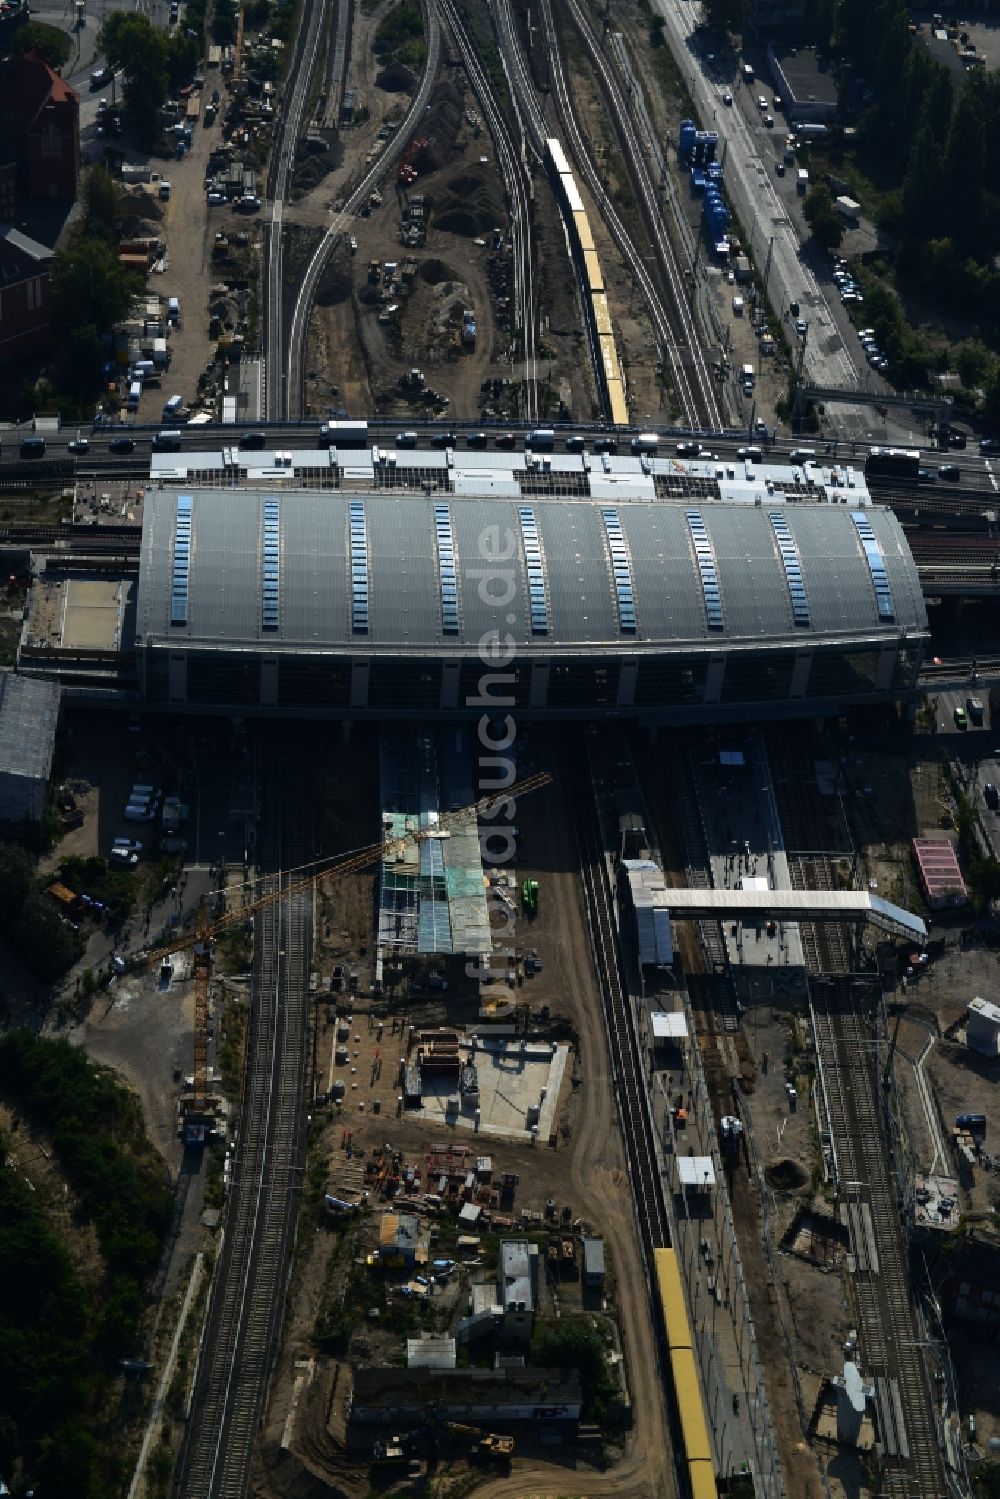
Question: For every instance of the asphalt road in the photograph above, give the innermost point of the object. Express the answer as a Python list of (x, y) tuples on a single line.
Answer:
[(977, 475)]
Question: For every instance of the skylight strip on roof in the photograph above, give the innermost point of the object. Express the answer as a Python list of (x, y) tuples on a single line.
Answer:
[(270, 605), (447, 573), (876, 567), (181, 561), (534, 563), (792, 563), (705, 557), (621, 570), (359, 566)]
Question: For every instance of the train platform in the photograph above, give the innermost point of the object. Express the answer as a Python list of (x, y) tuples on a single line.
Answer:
[(744, 841)]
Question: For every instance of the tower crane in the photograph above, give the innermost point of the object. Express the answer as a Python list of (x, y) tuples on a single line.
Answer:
[(206, 932)]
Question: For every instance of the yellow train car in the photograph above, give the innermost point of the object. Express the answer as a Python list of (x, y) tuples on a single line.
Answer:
[(581, 225), (701, 1476), (592, 271), (609, 357), (673, 1302), (617, 406), (687, 1389), (602, 317)]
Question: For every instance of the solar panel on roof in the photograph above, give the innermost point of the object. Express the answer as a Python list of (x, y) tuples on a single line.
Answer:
[(269, 595), (182, 561), (538, 603), (447, 572), (792, 563), (876, 566), (705, 557), (359, 567), (621, 570)]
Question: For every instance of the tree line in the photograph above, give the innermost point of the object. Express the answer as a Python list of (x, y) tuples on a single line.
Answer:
[(60, 1339)]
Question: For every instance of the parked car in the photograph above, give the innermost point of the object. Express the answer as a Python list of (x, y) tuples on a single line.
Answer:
[(122, 445), (605, 445), (991, 796), (688, 449), (78, 445), (949, 471), (974, 708), (575, 444), (961, 718)]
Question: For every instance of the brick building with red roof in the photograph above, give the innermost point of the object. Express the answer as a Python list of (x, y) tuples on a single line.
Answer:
[(40, 127)]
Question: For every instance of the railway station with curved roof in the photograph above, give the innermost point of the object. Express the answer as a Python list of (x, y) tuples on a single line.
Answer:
[(360, 602)]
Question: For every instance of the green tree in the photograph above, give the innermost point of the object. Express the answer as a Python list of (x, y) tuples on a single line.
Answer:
[(89, 285), (182, 58), (53, 44), (17, 873), (131, 42), (723, 15), (44, 939), (822, 217), (924, 205), (975, 364), (964, 165), (103, 204), (224, 22)]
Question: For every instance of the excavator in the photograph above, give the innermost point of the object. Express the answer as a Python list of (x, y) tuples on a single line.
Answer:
[(287, 884)]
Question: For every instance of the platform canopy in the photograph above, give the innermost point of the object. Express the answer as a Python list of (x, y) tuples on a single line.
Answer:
[(792, 905), (696, 1171)]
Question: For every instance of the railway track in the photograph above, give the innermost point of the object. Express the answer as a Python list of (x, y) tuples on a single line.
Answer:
[(517, 184), (826, 945), (123, 538), (908, 1423), (678, 333), (280, 172), (631, 1099), (293, 356), (336, 70), (890, 1339), (247, 1297)]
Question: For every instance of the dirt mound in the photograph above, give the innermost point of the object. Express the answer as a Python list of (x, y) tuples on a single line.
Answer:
[(311, 167), (786, 1176), (435, 271), (336, 282), (397, 78), (470, 205)]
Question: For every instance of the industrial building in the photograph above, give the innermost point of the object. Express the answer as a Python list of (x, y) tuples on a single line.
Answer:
[(518, 1289), (577, 587), (939, 873), (29, 713), (982, 1027), (806, 83), (408, 1397)]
